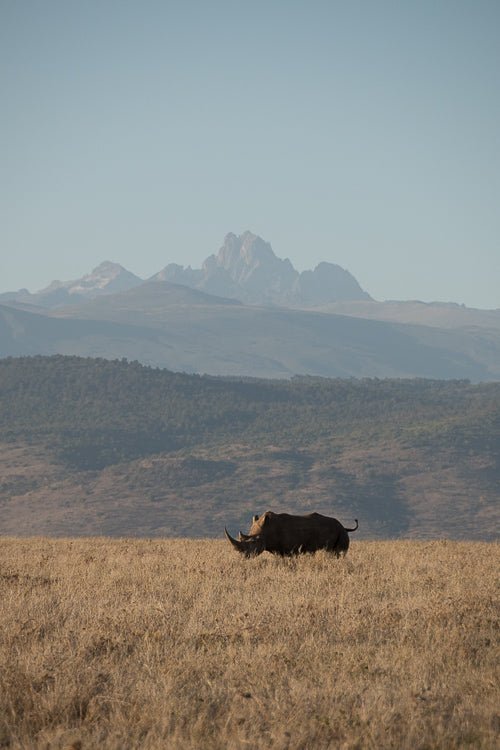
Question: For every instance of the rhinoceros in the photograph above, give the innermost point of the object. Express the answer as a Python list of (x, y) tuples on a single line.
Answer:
[(284, 534)]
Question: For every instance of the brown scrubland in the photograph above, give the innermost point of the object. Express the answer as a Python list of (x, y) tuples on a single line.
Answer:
[(183, 644)]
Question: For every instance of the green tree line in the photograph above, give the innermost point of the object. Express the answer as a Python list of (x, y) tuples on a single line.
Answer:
[(96, 412)]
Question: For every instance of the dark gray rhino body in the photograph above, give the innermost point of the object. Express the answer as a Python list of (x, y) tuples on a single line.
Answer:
[(284, 534)]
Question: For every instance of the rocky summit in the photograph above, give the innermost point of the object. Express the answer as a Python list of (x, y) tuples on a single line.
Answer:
[(247, 269)]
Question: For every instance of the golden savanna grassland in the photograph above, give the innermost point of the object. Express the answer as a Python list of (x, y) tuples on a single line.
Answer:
[(183, 644)]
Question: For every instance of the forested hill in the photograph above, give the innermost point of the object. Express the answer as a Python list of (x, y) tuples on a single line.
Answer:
[(127, 449)]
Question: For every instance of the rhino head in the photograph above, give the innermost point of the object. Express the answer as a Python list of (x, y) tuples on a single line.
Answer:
[(253, 543), (249, 545)]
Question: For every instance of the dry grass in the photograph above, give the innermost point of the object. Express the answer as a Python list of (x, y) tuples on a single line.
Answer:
[(182, 644)]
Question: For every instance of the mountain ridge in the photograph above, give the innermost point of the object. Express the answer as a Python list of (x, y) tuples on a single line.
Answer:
[(245, 268), (247, 312)]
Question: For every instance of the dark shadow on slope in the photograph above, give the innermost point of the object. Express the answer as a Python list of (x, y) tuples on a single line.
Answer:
[(376, 501)]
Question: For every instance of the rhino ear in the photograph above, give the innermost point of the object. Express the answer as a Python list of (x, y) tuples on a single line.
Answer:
[(265, 518), (255, 518)]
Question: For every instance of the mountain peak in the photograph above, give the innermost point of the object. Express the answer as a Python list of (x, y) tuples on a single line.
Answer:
[(248, 254), (248, 248), (102, 275), (246, 268), (109, 268), (106, 278)]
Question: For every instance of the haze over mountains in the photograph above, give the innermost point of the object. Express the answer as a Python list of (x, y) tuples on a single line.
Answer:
[(248, 312), (245, 268)]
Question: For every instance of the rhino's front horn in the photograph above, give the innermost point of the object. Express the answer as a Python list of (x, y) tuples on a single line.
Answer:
[(249, 546), (239, 545)]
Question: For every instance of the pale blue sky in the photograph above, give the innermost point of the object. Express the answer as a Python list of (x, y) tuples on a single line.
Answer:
[(362, 133)]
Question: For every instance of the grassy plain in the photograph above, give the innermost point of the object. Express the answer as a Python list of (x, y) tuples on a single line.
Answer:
[(182, 644)]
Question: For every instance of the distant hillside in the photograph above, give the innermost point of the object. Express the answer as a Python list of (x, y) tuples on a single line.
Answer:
[(99, 447), (167, 325), (436, 314)]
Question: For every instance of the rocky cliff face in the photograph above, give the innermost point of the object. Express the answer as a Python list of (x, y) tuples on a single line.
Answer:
[(247, 269)]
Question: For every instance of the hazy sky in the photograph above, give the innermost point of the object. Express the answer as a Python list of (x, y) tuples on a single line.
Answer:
[(362, 133)]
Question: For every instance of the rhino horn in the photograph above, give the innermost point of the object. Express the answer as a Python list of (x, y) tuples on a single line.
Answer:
[(244, 537), (237, 544), (249, 546)]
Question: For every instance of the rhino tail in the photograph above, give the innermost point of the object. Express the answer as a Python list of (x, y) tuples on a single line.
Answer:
[(354, 529)]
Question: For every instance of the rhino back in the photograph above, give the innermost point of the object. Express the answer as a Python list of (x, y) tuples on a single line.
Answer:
[(286, 534)]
